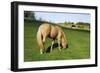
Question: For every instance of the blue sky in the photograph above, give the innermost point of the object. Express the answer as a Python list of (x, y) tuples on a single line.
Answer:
[(62, 17)]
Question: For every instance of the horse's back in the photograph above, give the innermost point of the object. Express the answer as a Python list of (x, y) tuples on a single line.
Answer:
[(45, 28)]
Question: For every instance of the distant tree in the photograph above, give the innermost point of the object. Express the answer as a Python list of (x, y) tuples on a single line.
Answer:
[(29, 15), (40, 19), (82, 23), (70, 22), (65, 23), (33, 15)]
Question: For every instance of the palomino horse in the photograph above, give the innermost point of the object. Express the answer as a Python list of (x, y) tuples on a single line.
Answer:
[(54, 32)]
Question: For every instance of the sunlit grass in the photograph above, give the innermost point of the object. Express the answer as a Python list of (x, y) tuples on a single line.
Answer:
[(79, 45)]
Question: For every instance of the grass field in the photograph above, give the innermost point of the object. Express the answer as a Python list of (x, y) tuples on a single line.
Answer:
[(78, 40)]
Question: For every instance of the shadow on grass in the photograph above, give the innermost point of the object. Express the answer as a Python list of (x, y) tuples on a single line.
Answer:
[(54, 47)]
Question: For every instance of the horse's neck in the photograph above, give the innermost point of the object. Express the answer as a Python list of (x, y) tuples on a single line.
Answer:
[(53, 32), (63, 37)]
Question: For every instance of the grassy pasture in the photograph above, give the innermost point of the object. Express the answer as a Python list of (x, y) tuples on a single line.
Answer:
[(78, 40)]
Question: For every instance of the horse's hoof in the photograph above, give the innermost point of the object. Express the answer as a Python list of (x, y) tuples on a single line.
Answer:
[(50, 50), (59, 49)]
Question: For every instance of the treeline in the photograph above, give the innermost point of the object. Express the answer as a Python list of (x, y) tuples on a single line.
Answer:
[(77, 23), (29, 15)]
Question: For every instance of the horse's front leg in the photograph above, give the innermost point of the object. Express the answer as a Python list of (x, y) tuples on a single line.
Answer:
[(59, 47), (52, 45)]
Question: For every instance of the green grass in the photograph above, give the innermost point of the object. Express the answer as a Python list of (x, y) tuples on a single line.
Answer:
[(78, 40)]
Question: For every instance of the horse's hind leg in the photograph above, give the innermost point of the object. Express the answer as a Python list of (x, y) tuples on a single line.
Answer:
[(44, 39)]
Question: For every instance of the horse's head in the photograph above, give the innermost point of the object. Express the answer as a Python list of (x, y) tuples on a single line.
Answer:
[(64, 44), (64, 41)]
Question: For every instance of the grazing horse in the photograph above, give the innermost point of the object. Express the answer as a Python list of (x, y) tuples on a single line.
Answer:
[(54, 32)]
